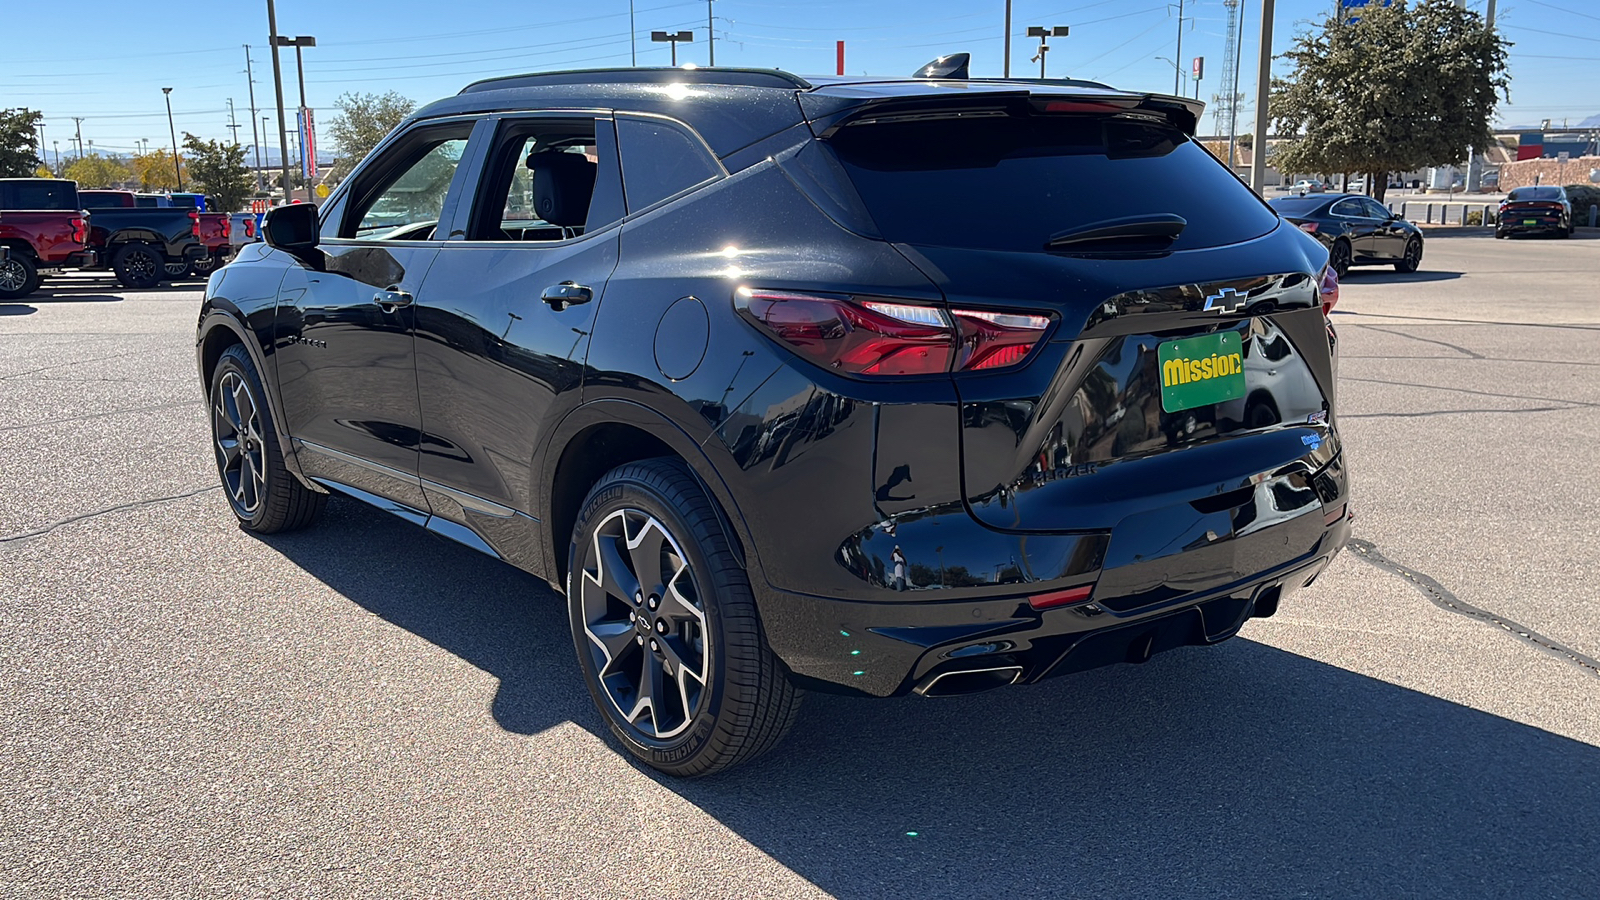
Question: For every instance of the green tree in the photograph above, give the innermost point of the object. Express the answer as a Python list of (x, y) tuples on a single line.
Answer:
[(1406, 86), (98, 172), (19, 142), (218, 171), (155, 172), (363, 121)]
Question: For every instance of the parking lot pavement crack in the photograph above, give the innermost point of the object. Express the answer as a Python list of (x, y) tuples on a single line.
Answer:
[(75, 362), (100, 415), (1444, 599), (1469, 354), (136, 504), (1563, 326), (1462, 390), (1446, 412)]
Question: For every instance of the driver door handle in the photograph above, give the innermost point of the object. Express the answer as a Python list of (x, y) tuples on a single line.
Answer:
[(567, 293), (391, 299)]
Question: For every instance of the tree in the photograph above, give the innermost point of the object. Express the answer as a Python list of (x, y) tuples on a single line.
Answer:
[(19, 142), (363, 121), (43, 172), (1407, 86), (97, 172), (154, 170), (218, 171)]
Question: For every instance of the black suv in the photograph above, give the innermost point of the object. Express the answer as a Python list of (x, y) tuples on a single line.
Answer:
[(878, 386)]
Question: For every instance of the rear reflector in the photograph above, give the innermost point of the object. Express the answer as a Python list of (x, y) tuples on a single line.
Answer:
[(1333, 515), (1330, 289), (1061, 598), (862, 336)]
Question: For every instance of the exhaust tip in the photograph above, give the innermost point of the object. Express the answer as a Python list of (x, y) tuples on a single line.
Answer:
[(968, 681)]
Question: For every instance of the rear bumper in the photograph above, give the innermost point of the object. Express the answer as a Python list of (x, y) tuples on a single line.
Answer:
[(83, 259), (1512, 224), (958, 645)]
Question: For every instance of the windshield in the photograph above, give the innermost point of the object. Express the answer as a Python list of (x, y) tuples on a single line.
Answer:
[(1009, 182), (1535, 193)]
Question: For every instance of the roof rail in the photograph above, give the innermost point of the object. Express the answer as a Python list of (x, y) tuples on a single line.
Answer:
[(774, 78)]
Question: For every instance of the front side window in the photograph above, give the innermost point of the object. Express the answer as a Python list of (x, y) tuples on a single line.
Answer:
[(405, 198)]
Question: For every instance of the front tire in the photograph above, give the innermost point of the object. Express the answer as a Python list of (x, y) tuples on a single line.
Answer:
[(665, 625), (137, 266), (262, 494), (1412, 258), (19, 277)]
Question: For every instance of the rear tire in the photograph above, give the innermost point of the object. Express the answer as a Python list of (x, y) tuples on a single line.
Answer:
[(1339, 257), (19, 277), (137, 266), (666, 629), (264, 497)]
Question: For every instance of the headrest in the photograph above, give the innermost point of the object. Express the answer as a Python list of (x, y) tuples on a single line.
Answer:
[(562, 186)]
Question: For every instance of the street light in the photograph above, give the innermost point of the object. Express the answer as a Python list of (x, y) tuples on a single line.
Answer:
[(298, 42), (1044, 34), (667, 37), (177, 167)]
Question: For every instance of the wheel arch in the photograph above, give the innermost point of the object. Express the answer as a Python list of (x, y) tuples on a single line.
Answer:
[(220, 328), (597, 437)]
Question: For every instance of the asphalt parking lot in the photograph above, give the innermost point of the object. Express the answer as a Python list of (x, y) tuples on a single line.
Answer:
[(363, 709)]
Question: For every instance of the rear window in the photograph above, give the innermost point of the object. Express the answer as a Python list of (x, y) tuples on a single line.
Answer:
[(40, 194), (1535, 193), (1297, 206), (1010, 182)]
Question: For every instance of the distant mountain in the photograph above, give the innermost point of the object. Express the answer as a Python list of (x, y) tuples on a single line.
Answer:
[(1591, 122)]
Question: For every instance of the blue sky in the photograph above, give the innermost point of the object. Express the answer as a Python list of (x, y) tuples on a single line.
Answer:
[(110, 69)]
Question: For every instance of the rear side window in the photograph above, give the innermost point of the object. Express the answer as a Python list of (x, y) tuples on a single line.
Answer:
[(660, 159), (1009, 182), (43, 194)]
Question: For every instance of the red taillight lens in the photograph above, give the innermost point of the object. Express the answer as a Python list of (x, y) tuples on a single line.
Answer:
[(194, 222), (79, 230), (1330, 289), (862, 336), (250, 227), (1308, 227), (227, 227), (1061, 598)]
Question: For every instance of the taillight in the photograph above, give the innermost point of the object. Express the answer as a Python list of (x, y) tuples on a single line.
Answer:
[(80, 230), (1061, 598), (250, 227), (1308, 227), (1330, 289), (227, 227), (871, 336), (194, 222)]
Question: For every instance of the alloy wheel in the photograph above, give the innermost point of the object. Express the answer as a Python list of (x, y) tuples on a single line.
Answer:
[(1339, 258), (141, 265), (1414, 254), (646, 624), (236, 431), (12, 275)]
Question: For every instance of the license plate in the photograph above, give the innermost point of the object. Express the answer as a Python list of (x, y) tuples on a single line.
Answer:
[(1530, 221), (1199, 371)]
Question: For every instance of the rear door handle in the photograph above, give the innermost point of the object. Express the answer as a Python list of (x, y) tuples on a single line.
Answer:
[(391, 298), (567, 293)]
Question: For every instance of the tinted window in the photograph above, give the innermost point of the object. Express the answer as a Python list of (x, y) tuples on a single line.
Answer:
[(1375, 209), (1010, 182), (104, 199), (1297, 206), (413, 191), (1351, 208), (548, 180), (660, 159), (42, 194), (1536, 193)]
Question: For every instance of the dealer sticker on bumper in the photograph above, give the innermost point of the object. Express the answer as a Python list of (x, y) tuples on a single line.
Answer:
[(1201, 370)]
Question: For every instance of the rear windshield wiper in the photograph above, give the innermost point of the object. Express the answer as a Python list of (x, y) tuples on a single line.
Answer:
[(1153, 231)]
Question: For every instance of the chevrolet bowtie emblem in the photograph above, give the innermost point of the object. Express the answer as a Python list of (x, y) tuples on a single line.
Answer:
[(1225, 300)]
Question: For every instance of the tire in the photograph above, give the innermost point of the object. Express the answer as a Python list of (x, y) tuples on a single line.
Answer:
[(173, 271), (695, 619), (203, 267), (137, 265), (19, 277), (1499, 235), (262, 494), (1339, 256), (1412, 258)]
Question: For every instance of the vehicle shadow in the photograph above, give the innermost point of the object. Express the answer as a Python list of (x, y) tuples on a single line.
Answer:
[(17, 309), (1239, 770), (1389, 276)]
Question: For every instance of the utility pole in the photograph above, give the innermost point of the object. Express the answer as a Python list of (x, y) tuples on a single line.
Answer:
[(233, 123), (1006, 68), (633, 34), (1474, 181), (1258, 157), (1177, 73), (255, 136), (711, 36), (177, 165), (78, 121), (277, 83)]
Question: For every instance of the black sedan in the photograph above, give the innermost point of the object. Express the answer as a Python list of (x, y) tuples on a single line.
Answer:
[(1357, 230), (1541, 209)]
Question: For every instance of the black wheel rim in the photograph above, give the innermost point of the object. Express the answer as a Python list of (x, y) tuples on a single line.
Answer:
[(1413, 253), (13, 275), (236, 430), (141, 265), (645, 624), (1340, 258), (175, 270)]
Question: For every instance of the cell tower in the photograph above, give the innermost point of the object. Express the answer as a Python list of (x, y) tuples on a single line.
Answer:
[(1226, 104)]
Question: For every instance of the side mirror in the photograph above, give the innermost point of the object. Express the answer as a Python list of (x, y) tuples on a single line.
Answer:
[(292, 228)]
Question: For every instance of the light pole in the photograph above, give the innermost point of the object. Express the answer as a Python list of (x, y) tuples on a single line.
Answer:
[(633, 35), (1005, 69), (668, 37), (1179, 54), (58, 156), (711, 37), (298, 42), (277, 84), (177, 167), (1258, 155), (1044, 34)]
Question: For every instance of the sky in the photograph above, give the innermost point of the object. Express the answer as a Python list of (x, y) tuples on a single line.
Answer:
[(111, 75)]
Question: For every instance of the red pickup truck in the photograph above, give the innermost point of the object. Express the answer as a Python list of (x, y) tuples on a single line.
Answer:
[(42, 227)]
